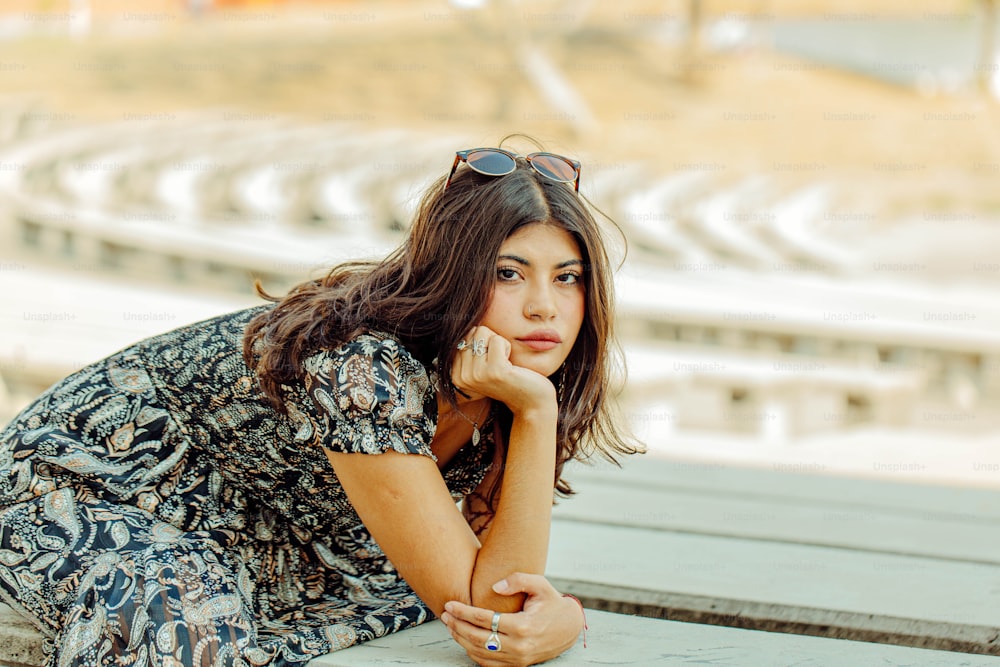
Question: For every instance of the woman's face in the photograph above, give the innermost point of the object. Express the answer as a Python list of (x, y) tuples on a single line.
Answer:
[(539, 296)]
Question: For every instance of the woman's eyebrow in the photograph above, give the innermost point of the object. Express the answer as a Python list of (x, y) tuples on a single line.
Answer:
[(515, 258), (569, 262), (560, 265)]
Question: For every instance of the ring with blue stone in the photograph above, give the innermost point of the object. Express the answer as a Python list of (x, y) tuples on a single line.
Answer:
[(493, 641)]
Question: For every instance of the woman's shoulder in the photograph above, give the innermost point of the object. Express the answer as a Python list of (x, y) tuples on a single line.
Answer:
[(371, 376)]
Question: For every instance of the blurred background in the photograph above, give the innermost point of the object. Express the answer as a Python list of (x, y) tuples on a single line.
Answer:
[(808, 191)]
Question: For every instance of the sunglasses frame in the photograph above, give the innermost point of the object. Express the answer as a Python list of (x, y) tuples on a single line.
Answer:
[(463, 156)]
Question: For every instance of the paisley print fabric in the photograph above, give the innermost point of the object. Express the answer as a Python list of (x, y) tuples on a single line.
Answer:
[(155, 510)]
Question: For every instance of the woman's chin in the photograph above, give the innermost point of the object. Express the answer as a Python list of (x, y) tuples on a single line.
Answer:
[(545, 367)]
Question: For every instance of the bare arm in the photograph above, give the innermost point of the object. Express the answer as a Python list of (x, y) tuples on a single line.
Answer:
[(405, 504), (518, 535), (476, 507)]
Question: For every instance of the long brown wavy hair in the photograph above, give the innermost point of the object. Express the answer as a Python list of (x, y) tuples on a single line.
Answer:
[(438, 284)]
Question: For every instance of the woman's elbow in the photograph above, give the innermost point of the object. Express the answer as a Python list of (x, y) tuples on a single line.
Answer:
[(485, 597), (438, 600)]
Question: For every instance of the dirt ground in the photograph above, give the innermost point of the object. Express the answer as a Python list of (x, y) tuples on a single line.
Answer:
[(430, 68)]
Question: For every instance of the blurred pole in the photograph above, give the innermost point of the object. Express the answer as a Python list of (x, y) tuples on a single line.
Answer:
[(198, 8), (544, 76), (988, 16), (79, 23), (692, 41)]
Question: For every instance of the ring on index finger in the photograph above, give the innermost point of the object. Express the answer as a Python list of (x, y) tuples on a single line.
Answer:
[(478, 347)]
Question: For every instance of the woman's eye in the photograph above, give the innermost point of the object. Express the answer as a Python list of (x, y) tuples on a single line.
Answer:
[(506, 274), (569, 278)]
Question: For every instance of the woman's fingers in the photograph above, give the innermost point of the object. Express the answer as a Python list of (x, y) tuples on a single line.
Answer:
[(471, 627), (482, 363), (472, 633), (472, 639), (474, 615), (483, 368), (548, 625), (519, 582), (471, 349), (485, 345)]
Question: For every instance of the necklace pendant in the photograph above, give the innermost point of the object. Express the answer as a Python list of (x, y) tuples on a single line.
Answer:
[(475, 435)]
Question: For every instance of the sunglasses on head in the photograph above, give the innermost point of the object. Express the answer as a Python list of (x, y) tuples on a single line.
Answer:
[(498, 162)]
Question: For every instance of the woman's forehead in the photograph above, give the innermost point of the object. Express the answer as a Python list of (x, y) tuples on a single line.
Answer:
[(542, 241)]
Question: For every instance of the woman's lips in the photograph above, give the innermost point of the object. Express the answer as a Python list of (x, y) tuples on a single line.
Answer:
[(541, 340), (539, 344)]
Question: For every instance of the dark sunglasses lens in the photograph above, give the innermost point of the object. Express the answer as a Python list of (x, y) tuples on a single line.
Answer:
[(491, 163), (554, 167)]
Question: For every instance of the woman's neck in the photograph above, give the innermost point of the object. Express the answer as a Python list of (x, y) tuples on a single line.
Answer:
[(456, 427)]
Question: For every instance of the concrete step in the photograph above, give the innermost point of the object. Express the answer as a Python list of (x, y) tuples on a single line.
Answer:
[(878, 572), (612, 639), (787, 587), (856, 559), (20, 641), (785, 485), (861, 515), (619, 639)]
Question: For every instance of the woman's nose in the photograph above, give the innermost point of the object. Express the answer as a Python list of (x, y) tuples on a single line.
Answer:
[(541, 305)]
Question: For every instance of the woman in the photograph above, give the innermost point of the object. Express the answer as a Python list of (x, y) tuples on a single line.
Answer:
[(281, 482)]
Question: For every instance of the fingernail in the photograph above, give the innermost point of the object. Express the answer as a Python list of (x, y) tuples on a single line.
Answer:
[(449, 606), (500, 586), (446, 618)]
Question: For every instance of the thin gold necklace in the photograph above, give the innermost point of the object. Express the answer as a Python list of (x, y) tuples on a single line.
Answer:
[(475, 424)]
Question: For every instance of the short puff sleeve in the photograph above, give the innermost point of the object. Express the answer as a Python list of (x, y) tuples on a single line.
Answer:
[(369, 396)]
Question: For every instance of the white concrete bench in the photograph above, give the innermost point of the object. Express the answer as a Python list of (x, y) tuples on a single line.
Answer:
[(227, 258), (20, 641), (612, 639), (97, 171), (785, 394), (650, 216), (866, 560), (953, 333), (271, 188), (724, 224), (867, 312), (792, 223), (833, 571), (618, 639), (163, 209), (56, 322)]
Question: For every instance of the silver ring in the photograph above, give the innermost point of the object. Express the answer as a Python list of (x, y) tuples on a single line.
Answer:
[(478, 347), (493, 641), (461, 345)]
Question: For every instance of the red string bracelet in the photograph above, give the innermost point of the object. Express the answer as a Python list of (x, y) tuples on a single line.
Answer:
[(573, 597)]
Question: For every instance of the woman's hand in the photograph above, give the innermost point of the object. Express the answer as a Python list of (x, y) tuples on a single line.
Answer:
[(492, 374), (548, 625)]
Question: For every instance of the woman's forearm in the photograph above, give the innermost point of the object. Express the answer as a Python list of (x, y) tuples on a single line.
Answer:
[(518, 538)]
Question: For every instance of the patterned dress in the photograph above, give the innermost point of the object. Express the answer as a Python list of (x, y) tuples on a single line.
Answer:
[(154, 509)]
